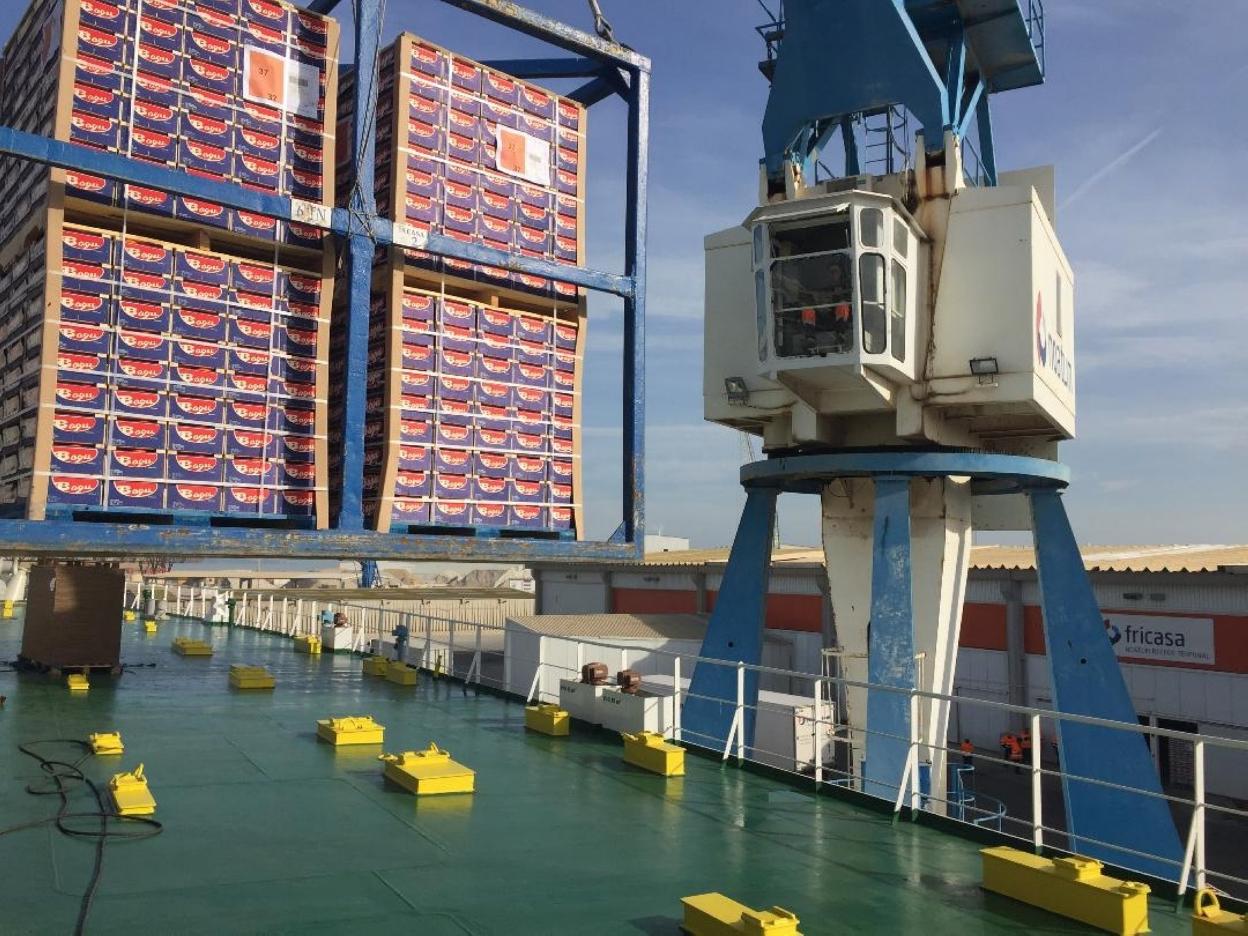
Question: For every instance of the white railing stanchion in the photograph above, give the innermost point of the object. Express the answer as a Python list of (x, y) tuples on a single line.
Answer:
[(426, 661), (450, 651), (675, 697), (535, 687), (740, 711), (474, 668), (914, 755), (816, 730), (1198, 816), (1037, 811), (580, 658)]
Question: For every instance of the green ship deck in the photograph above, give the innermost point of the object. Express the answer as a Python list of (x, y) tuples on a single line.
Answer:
[(268, 831)]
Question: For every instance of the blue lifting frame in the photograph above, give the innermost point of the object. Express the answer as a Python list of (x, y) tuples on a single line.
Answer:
[(611, 69)]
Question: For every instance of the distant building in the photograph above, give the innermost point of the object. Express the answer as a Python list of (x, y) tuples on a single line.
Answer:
[(658, 543)]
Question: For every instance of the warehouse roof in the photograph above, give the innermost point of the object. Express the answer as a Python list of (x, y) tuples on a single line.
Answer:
[(624, 626), (1179, 558)]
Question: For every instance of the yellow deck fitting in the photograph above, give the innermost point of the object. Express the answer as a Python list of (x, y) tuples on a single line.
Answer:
[(188, 646), (105, 742), (648, 750), (428, 772), (717, 915), (309, 644), (400, 673), (131, 797), (1209, 919), (149, 625), (1071, 887), (251, 677), (77, 682), (7, 609), (376, 666), (128, 615), (548, 719), (358, 729)]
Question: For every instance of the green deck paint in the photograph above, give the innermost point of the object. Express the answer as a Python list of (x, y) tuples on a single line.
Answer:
[(268, 831)]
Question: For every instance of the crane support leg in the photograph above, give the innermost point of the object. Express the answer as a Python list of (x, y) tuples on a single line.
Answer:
[(1105, 822), (735, 632)]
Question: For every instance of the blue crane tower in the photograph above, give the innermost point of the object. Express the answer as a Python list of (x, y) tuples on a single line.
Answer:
[(894, 319)]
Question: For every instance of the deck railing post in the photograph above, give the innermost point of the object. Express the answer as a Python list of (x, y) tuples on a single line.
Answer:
[(816, 730), (740, 720), (1037, 812), (676, 697), (914, 755), (1198, 817)]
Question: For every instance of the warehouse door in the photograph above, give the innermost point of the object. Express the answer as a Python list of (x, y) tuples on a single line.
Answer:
[(1177, 757)]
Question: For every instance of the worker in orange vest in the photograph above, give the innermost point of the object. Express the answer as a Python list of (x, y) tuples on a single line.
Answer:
[(1012, 750), (968, 750), (1025, 745)]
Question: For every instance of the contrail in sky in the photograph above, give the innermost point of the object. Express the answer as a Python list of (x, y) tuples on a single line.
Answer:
[(1112, 166)]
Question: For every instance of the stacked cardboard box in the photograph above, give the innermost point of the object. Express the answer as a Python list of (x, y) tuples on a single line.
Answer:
[(164, 354), (474, 380)]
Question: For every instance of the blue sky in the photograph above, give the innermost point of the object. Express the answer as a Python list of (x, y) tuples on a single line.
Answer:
[(1143, 117)]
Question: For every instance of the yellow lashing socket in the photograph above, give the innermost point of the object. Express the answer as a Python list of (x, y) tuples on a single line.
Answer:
[(131, 797), (77, 682), (149, 625), (105, 742), (251, 677), (648, 750), (717, 915), (128, 616), (548, 719), (188, 646), (1209, 919), (309, 644), (429, 772), (7, 610), (376, 666), (1072, 887), (358, 729), (400, 673)]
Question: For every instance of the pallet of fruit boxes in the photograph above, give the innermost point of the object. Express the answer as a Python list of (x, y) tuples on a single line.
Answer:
[(164, 355), (474, 378)]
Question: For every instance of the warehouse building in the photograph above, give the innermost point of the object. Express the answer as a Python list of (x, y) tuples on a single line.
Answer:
[(1177, 616)]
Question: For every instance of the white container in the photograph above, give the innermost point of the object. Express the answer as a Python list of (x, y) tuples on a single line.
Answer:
[(337, 639), (785, 735), (641, 711)]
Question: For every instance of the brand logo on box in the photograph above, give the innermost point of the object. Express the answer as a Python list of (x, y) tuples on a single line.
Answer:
[(203, 290), (561, 446), (136, 459), (206, 151), (84, 240), (308, 154), (89, 123), (491, 511), (89, 94), (457, 358), (491, 485), (135, 430), (301, 391), (74, 454), (159, 29), (493, 436), (196, 350), (462, 215), (263, 141), (417, 303), (529, 395), (94, 66), (199, 376), (308, 285), (258, 166), (211, 127), (213, 45), (77, 362), (250, 356), (303, 310), (83, 333), (208, 98), (453, 482), (251, 497), (146, 253), (561, 468), (527, 512), (195, 435), (251, 412), (97, 38), (412, 478), (149, 370), (209, 71), (301, 337), (301, 472), (196, 406), (146, 196), (454, 457), (77, 393), (453, 432), (532, 371), (302, 499), (300, 445), (304, 419), (206, 264), (76, 486), (138, 399), (136, 489), (141, 280), (150, 138), (155, 55), (195, 493), (408, 507), (153, 111), (203, 209), (249, 440), (200, 320), (254, 329), (72, 422), (252, 467)]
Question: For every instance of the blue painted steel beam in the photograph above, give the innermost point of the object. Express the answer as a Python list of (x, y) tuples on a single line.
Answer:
[(1087, 680), (1016, 471), (850, 142), (322, 6), (547, 67), (124, 541), (735, 631), (360, 255), (987, 151), (955, 76), (634, 392), (890, 640), (599, 89), (556, 33), (65, 155), (970, 110)]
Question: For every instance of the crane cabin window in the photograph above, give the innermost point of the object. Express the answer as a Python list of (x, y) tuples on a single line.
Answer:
[(812, 287), (897, 311), (874, 321)]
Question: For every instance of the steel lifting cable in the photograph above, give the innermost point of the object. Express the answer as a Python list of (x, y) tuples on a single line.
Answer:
[(601, 26)]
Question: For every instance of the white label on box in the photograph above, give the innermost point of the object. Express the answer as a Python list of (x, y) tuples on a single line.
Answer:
[(306, 212), (1161, 638), (278, 81), (521, 155), (408, 235)]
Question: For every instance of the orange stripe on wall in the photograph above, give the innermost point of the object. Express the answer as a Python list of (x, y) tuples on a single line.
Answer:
[(653, 601), (788, 612), (983, 626)]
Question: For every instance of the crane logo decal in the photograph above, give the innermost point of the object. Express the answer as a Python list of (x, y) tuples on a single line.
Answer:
[(1049, 348)]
